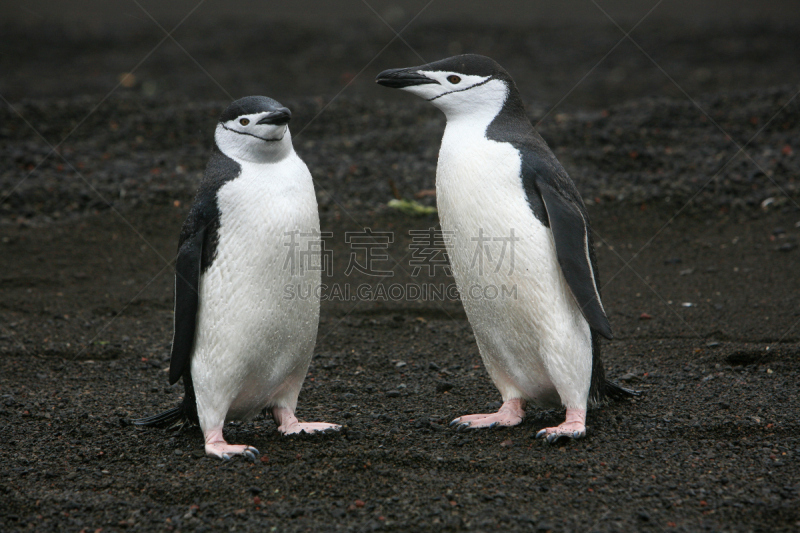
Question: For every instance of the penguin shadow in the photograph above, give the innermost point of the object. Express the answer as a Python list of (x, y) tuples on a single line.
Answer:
[(261, 431), (603, 422), (535, 420)]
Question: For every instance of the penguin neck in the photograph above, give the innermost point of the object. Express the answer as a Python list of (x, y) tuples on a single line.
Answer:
[(241, 147), (476, 113)]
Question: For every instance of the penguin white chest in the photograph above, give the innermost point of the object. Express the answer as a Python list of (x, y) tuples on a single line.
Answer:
[(529, 330), (262, 212)]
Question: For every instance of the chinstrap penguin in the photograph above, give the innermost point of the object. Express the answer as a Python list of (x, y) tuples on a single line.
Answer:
[(499, 185), (239, 346)]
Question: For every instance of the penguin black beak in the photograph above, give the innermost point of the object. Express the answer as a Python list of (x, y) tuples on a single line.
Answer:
[(397, 78), (279, 117)]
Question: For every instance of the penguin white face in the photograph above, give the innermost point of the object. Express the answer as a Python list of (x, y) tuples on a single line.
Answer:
[(458, 85), (254, 129)]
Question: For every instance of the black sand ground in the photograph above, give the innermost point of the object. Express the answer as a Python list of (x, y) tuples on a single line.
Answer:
[(698, 255)]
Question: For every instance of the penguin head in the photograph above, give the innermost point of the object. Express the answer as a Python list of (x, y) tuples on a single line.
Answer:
[(255, 128), (459, 85)]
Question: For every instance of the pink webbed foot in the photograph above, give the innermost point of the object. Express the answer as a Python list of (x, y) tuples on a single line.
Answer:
[(289, 425), (217, 447), (574, 427), (510, 414)]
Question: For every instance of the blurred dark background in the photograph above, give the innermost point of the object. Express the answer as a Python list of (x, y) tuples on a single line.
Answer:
[(311, 48)]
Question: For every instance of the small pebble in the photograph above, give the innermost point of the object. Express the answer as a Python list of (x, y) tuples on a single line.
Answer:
[(443, 386)]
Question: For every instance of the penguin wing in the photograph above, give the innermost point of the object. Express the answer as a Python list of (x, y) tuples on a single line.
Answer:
[(187, 286), (571, 234)]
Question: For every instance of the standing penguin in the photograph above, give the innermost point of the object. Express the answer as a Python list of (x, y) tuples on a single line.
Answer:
[(239, 345), (498, 184)]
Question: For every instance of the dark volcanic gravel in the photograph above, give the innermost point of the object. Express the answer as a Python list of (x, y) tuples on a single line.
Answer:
[(653, 150), (698, 253)]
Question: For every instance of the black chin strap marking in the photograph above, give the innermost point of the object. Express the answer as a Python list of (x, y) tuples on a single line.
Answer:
[(484, 82), (256, 136)]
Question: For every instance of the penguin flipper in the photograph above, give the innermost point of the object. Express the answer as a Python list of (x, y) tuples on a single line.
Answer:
[(571, 234), (187, 297)]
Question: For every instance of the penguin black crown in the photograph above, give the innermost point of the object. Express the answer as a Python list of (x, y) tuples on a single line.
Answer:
[(496, 178), (238, 345)]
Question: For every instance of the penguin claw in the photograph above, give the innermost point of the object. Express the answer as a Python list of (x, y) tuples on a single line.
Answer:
[(217, 447), (556, 435), (463, 426), (574, 427), (494, 425), (456, 421), (553, 437)]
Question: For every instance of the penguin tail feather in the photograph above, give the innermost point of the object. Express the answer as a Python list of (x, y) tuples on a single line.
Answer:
[(170, 419), (612, 391)]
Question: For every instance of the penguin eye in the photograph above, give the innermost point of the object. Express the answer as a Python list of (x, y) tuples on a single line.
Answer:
[(244, 121), (453, 79)]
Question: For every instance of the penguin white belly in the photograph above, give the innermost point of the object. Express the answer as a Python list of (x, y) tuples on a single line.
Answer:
[(533, 339), (252, 346)]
